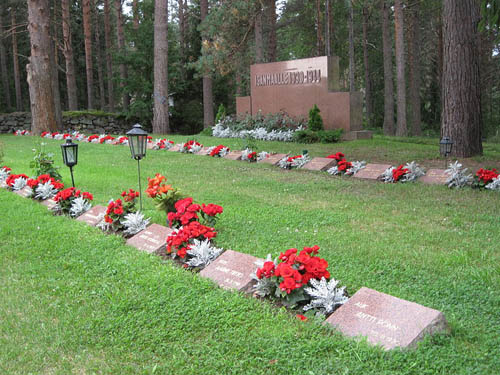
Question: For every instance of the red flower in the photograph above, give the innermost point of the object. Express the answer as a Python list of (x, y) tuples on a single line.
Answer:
[(338, 156), (343, 165), (284, 270), (44, 134), (288, 256), (212, 209), (267, 270), (183, 204), (313, 250), (301, 317), (399, 172), (252, 155), (486, 176), (88, 196), (291, 283)]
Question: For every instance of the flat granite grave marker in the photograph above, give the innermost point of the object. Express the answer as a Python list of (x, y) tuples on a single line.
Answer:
[(92, 216), (386, 320), (273, 159), (233, 155), (372, 171), (320, 164), (176, 147), (232, 270), (25, 192), (203, 151), (152, 240), (49, 203), (434, 177)]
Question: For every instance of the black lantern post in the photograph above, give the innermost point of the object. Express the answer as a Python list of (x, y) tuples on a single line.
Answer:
[(138, 140), (445, 146), (70, 156)]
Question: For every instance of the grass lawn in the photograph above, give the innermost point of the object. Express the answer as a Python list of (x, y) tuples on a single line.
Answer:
[(73, 300)]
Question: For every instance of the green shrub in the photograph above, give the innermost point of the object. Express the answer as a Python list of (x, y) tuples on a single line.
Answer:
[(221, 113), (315, 122), (206, 131), (43, 163), (330, 136), (306, 136)]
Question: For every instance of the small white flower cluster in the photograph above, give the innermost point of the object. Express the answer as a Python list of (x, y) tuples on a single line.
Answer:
[(261, 133), (458, 176), (4, 173), (58, 136), (223, 151), (158, 143), (288, 163)]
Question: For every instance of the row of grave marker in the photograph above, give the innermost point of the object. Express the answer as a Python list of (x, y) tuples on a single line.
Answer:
[(380, 318), (370, 172)]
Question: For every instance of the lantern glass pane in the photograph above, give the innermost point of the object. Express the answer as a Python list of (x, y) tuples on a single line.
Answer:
[(70, 156)]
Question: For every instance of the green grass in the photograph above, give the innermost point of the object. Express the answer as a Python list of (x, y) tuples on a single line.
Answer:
[(73, 300)]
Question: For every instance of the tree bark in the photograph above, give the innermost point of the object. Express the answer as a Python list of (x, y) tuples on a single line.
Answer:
[(3, 65), (15, 59), (87, 31), (99, 60), (328, 26), (368, 84), (401, 127), (272, 30), (461, 113), (54, 62), (109, 57), (351, 47), (388, 76), (39, 71), (160, 93), (121, 48), (259, 43), (414, 67), (182, 37), (208, 100), (319, 31), (68, 57), (135, 12)]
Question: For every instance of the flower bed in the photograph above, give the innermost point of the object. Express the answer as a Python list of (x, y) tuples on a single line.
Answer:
[(408, 173), (44, 187), (72, 202), (291, 162), (218, 151)]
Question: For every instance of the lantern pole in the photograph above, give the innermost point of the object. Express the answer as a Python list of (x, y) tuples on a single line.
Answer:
[(140, 189)]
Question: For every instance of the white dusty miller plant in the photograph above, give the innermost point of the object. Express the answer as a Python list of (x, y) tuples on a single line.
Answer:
[(356, 167), (458, 176), (45, 191), (288, 162), (262, 155), (19, 183), (325, 295), (494, 184), (414, 172), (261, 133), (245, 153), (79, 206), (265, 286), (4, 173), (202, 253), (134, 222)]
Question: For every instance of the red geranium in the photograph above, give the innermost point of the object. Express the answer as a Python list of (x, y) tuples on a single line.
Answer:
[(343, 165), (65, 198), (179, 241), (337, 156), (33, 183), (44, 134), (399, 172), (13, 177), (486, 176), (216, 151)]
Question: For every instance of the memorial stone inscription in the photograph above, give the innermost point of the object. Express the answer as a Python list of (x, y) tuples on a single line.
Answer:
[(386, 320), (93, 216), (231, 270), (320, 164), (372, 171), (273, 159), (434, 177), (152, 239)]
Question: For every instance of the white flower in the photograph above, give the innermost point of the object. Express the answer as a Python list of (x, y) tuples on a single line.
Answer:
[(45, 191), (19, 183), (79, 206), (134, 223), (458, 177), (325, 295), (202, 253)]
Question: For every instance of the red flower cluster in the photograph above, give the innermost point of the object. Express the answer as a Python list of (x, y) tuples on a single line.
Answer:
[(162, 143), (399, 172), (252, 156), (106, 138), (69, 193), (90, 138), (130, 196), (212, 209), (121, 140), (337, 156), (114, 211), (343, 165), (217, 150), (292, 158), (65, 136), (295, 271), (486, 176), (178, 242), (13, 177), (156, 186), (44, 134), (187, 212), (189, 144), (42, 179), (7, 169), (150, 139)]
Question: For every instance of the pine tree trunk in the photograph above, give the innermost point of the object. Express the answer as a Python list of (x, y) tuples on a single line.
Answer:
[(414, 67), (259, 43), (328, 26), (401, 127), (100, 70), (68, 56), (121, 48), (15, 59), (109, 57), (3, 64), (54, 62), (351, 47), (272, 30), (160, 93), (87, 31), (368, 85), (182, 36), (135, 12), (461, 113), (319, 31), (39, 71), (388, 76), (208, 100)]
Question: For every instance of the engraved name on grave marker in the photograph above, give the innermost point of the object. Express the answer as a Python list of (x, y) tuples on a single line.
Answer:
[(92, 216), (152, 239), (372, 171), (320, 164)]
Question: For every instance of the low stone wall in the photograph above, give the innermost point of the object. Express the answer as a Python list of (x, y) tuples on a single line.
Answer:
[(87, 124)]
